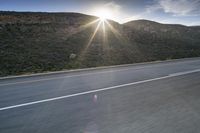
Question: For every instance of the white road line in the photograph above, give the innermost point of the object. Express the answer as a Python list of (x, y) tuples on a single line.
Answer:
[(98, 90), (91, 73), (184, 73), (63, 77)]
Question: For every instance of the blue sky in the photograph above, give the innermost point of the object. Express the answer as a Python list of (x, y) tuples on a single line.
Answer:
[(185, 12)]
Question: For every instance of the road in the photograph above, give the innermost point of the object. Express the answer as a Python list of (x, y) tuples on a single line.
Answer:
[(161, 97)]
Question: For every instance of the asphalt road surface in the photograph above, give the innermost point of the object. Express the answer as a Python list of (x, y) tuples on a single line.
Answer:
[(145, 98)]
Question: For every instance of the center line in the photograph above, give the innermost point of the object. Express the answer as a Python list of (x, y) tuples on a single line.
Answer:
[(98, 90)]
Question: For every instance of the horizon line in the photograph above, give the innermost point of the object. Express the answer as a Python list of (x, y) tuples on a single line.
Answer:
[(25, 11)]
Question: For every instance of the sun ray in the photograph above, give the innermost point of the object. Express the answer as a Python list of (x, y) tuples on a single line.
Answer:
[(104, 30), (90, 23), (121, 38), (116, 33), (104, 36), (90, 40), (93, 35), (84, 27)]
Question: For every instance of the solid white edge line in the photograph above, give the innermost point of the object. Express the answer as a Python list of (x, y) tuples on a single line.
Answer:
[(70, 76), (98, 90), (102, 67), (92, 73)]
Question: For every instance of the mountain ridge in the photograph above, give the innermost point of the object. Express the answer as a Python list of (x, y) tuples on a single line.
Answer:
[(77, 13)]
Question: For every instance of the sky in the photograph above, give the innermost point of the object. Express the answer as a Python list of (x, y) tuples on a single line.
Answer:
[(186, 12)]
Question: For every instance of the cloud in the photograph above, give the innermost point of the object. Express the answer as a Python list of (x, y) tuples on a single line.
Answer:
[(176, 7), (113, 6), (119, 13)]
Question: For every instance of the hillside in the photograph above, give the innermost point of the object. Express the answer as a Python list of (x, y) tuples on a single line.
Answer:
[(36, 42)]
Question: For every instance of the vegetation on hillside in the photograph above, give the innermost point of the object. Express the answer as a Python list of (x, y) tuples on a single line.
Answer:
[(37, 42)]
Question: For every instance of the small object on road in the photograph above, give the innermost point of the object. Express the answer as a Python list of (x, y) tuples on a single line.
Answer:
[(95, 98)]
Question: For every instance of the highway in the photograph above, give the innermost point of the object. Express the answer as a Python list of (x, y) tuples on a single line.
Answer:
[(160, 97)]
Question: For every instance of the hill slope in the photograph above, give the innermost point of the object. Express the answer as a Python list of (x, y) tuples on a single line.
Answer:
[(37, 42)]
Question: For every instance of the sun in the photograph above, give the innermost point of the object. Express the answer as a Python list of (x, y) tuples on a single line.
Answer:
[(101, 24), (104, 14)]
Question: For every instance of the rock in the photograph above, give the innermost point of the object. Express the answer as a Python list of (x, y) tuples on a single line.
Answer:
[(72, 56)]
